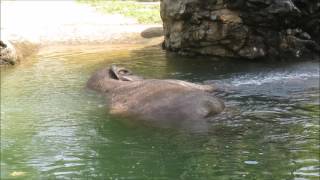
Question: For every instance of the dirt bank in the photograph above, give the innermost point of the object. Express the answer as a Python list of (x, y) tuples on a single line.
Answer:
[(46, 23)]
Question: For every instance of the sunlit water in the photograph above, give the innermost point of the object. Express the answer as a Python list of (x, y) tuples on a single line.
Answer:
[(53, 128)]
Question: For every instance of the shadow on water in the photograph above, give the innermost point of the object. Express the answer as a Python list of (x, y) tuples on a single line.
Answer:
[(52, 128)]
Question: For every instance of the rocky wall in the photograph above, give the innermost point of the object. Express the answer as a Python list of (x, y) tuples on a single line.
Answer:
[(250, 29)]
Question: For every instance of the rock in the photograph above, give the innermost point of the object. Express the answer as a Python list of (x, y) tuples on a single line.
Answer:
[(12, 52), (8, 53), (251, 29), (152, 32)]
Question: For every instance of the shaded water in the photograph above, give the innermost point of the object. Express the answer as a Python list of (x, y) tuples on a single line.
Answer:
[(53, 128)]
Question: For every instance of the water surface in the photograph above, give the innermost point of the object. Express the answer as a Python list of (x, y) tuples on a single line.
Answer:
[(53, 128)]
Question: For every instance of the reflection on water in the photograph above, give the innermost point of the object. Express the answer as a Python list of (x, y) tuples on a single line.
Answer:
[(52, 127)]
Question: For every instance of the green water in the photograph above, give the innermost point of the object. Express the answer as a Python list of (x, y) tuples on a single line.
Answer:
[(53, 128)]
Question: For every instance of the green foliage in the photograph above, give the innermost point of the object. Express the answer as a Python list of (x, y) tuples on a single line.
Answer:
[(145, 13)]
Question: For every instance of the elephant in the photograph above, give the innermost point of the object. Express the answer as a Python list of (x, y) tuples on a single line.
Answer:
[(165, 103)]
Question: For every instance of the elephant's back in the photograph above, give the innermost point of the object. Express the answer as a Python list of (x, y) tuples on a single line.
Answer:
[(139, 97), (158, 100)]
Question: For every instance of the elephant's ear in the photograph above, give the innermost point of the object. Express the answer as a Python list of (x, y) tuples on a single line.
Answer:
[(113, 72), (120, 73)]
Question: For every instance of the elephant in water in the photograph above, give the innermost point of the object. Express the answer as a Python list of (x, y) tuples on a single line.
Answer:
[(162, 103)]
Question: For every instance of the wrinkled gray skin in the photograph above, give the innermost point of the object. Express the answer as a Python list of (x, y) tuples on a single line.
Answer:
[(162, 103)]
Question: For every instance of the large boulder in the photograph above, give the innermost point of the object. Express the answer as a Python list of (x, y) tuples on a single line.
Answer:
[(248, 29), (8, 53)]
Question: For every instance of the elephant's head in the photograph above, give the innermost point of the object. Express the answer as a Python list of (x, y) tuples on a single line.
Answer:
[(107, 79)]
